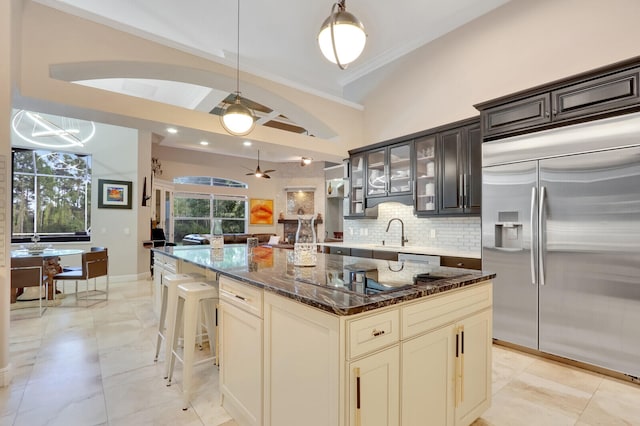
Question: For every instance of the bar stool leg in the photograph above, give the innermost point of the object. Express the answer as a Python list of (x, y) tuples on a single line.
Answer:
[(190, 327), (162, 330), (174, 344), (172, 326)]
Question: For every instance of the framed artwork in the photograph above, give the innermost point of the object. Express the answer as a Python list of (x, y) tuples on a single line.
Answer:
[(114, 194), (260, 211)]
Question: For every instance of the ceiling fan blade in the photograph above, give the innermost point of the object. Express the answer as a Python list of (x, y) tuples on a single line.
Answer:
[(266, 176), (268, 171), (250, 174)]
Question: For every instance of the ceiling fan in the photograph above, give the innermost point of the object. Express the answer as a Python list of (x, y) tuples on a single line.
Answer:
[(259, 173)]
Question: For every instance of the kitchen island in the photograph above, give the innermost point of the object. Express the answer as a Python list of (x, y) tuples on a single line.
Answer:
[(339, 343)]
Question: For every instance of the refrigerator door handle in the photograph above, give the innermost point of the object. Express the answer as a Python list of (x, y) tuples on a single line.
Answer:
[(541, 232), (534, 281)]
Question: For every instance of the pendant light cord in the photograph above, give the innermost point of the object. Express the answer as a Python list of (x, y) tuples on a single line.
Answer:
[(238, 56)]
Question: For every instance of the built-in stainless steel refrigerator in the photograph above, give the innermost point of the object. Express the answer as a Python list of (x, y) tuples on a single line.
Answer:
[(561, 229)]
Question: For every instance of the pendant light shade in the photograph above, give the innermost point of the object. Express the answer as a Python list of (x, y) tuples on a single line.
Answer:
[(342, 37), (236, 118)]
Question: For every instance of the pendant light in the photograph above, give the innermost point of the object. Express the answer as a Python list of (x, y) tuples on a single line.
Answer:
[(342, 37), (237, 119)]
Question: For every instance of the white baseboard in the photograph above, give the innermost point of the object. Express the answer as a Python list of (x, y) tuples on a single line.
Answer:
[(5, 376), (131, 277)]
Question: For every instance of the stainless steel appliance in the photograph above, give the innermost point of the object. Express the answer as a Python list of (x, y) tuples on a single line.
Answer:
[(561, 228)]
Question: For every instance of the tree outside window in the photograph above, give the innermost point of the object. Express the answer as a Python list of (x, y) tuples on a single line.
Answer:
[(51, 194), (195, 214)]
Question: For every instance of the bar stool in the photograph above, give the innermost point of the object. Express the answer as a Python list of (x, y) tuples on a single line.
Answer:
[(167, 323), (192, 297)]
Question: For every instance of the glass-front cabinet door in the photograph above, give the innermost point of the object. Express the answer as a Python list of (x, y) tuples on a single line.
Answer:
[(400, 169), (376, 173), (356, 193), (389, 171), (426, 178)]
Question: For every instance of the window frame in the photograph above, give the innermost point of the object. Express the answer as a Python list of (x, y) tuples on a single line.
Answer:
[(75, 236)]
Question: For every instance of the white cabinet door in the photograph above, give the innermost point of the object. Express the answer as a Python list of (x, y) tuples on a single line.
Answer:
[(474, 395), (374, 389), (428, 368), (241, 364), (301, 364)]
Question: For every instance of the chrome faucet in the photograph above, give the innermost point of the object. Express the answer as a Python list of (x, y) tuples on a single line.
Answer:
[(403, 239)]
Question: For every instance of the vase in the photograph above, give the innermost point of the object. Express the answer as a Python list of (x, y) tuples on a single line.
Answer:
[(306, 232), (216, 239), (305, 248)]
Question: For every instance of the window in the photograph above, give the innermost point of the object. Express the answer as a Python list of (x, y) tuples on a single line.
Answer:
[(51, 195), (194, 214)]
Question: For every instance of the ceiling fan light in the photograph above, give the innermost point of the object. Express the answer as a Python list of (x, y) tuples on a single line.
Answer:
[(237, 119), (349, 37), (305, 161)]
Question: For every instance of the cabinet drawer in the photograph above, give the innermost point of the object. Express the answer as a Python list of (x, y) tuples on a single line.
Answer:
[(362, 253), (244, 296), (345, 251), (461, 262), (437, 311), (373, 332)]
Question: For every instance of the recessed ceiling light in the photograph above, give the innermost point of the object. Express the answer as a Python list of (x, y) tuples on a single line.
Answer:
[(246, 143), (205, 143), (172, 130)]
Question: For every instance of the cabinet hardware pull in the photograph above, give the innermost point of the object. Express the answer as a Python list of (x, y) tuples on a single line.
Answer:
[(377, 333), (357, 373), (244, 299), (457, 372), (462, 364)]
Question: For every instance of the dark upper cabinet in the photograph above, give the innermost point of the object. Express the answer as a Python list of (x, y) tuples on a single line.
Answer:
[(356, 186), (606, 91), (597, 95), (426, 154), (460, 171), (438, 171), (517, 115), (389, 175), (473, 178)]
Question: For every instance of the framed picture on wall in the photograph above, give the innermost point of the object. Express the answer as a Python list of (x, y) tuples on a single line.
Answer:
[(260, 211), (114, 194)]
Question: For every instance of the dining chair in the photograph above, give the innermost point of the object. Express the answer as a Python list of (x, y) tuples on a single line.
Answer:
[(79, 267), (28, 272), (95, 264)]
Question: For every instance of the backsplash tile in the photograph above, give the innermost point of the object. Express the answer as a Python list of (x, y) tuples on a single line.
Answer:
[(456, 233)]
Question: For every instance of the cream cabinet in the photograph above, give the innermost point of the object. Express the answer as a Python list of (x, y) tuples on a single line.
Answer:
[(373, 388), (302, 365), (446, 358), (426, 361), (473, 379), (241, 351), (428, 371)]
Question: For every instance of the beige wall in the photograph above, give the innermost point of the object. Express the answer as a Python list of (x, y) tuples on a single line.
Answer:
[(517, 46)]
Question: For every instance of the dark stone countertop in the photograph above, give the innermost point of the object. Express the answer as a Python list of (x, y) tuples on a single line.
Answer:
[(327, 285)]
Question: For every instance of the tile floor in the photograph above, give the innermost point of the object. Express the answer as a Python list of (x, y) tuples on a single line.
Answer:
[(94, 366)]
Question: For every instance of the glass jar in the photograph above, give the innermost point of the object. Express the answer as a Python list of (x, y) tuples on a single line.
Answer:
[(217, 239)]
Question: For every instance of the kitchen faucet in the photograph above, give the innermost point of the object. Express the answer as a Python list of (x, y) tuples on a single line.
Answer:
[(402, 238)]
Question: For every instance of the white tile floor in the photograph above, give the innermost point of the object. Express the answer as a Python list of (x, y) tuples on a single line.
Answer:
[(94, 366)]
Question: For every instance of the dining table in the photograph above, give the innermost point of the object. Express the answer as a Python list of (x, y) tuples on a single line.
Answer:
[(50, 261)]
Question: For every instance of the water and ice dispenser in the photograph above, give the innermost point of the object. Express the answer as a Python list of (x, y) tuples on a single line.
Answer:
[(508, 231)]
